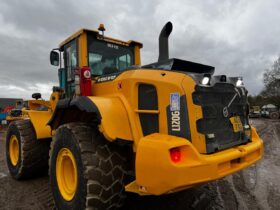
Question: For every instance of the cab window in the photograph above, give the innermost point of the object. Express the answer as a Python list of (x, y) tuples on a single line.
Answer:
[(107, 58)]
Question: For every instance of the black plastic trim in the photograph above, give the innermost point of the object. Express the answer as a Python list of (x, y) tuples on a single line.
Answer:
[(148, 100), (175, 64), (83, 103), (215, 123), (185, 131), (78, 109)]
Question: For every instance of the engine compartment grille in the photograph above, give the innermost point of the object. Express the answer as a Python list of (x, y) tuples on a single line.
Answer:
[(219, 103), (148, 100)]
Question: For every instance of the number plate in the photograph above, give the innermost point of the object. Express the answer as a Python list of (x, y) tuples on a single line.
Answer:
[(236, 123)]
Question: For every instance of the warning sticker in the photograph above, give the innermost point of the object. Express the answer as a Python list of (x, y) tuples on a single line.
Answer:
[(174, 102)]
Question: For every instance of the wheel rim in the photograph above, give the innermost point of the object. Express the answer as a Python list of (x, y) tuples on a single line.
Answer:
[(66, 174), (14, 150)]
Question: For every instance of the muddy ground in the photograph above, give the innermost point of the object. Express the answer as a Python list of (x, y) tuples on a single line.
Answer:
[(257, 187)]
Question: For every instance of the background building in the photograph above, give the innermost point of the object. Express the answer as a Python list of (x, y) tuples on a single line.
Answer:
[(6, 102)]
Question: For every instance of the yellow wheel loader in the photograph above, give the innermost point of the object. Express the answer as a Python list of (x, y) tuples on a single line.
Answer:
[(16, 113), (116, 126)]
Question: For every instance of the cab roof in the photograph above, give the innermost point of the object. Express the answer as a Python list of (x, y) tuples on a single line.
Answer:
[(98, 36)]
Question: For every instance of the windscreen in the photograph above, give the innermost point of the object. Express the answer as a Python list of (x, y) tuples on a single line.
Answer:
[(108, 58)]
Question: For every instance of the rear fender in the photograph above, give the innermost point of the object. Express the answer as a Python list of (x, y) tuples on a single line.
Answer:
[(108, 112)]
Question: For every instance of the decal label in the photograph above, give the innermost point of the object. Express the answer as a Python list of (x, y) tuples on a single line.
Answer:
[(175, 112), (106, 78), (113, 46), (174, 102), (175, 121), (178, 120)]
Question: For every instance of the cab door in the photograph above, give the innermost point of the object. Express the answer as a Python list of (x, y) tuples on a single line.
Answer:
[(70, 63)]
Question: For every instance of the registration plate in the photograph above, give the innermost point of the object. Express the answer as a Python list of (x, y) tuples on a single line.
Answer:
[(236, 123)]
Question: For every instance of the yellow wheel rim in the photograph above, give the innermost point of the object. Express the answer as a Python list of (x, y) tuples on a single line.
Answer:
[(14, 150), (66, 174)]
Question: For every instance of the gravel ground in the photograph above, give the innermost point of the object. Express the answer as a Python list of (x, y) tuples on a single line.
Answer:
[(257, 187)]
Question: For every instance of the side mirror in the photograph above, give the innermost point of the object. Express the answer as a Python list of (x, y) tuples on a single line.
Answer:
[(54, 58)]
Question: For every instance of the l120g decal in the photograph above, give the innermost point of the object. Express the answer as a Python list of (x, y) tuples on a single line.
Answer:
[(177, 116)]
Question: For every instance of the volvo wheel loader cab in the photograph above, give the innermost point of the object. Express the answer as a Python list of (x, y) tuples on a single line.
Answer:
[(118, 126), (87, 55)]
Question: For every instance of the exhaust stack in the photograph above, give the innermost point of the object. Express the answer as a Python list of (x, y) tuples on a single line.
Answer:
[(163, 42)]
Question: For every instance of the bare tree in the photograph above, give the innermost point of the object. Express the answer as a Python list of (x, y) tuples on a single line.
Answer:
[(271, 79)]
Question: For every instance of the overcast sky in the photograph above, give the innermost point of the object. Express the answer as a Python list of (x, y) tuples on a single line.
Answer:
[(238, 37)]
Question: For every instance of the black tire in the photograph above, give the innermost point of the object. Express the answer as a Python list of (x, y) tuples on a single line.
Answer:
[(33, 153), (101, 168), (274, 115)]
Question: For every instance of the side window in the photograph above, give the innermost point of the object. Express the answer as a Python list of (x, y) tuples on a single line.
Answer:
[(71, 60), (124, 61)]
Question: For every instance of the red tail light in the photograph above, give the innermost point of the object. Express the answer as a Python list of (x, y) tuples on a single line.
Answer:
[(175, 155), (85, 81)]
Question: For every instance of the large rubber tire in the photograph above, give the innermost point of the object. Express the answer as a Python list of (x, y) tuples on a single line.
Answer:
[(33, 153), (101, 168)]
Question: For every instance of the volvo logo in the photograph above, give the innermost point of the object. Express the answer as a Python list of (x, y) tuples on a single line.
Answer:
[(225, 111)]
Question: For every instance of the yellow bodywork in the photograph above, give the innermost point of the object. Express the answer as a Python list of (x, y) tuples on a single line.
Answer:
[(130, 81), (117, 102), (39, 121), (11, 119), (111, 108), (41, 118), (115, 122), (153, 160)]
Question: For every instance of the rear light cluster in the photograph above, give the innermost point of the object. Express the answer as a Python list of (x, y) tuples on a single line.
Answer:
[(175, 155), (83, 81)]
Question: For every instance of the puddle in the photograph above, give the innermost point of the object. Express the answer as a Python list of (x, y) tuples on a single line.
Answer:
[(2, 175)]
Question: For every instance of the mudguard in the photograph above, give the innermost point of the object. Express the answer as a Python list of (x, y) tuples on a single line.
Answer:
[(108, 112)]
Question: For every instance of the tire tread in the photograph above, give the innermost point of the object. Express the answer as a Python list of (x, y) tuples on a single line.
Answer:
[(105, 181), (34, 153)]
